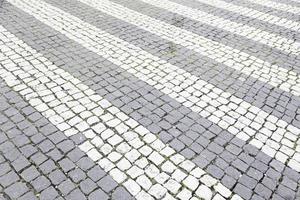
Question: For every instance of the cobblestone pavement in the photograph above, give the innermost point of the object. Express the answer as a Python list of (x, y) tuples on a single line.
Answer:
[(150, 99)]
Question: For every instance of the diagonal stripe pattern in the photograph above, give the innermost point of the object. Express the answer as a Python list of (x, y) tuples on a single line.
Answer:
[(277, 6), (289, 24), (249, 65), (273, 136), (132, 155), (267, 38)]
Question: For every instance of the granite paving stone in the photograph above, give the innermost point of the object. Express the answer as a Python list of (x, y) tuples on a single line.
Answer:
[(149, 99)]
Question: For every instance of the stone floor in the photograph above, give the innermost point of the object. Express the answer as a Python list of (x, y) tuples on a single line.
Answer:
[(150, 99)]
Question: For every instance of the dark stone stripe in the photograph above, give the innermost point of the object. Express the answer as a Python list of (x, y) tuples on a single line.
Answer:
[(270, 99), (290, 34), (265, 9), (24, 146), (217, 151), (46, 160), (251, 47)]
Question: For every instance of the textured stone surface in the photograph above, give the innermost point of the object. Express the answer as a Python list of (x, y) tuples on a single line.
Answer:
[(149, 99)]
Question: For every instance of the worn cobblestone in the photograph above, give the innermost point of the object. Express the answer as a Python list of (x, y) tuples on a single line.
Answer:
[(35, 174), (148, 99)]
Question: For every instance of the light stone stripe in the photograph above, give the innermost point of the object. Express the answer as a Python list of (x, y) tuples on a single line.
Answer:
[(273, 136), (277, 6), (252, 13), (271, 39), (264, 71), (126, 150)]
